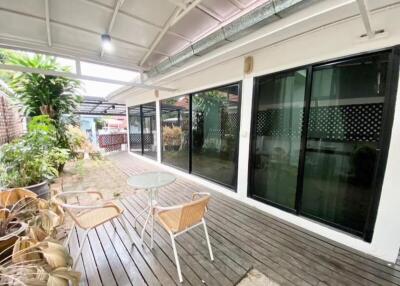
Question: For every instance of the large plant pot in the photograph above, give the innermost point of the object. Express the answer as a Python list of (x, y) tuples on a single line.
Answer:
[(41, 189), (9, 240)]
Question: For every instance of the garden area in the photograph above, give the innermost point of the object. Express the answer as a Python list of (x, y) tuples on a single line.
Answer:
[(31, 220)]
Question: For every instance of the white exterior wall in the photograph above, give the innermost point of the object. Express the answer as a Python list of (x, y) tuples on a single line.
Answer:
[(325, 31)]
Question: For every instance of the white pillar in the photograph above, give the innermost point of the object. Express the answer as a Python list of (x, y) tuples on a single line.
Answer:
[(244, 138), (127, 131), (158, 119)]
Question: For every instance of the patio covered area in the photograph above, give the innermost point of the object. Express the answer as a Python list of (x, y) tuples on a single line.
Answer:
[(242, 237)]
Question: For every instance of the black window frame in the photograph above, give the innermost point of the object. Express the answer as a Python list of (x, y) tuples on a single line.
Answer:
[(384, 144), (189, 171)]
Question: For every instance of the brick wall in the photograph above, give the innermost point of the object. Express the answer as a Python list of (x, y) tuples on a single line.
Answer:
[(11, 123)]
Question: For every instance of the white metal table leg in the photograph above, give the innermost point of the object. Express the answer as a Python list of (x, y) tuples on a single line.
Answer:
[(139, 215), (144, 227)]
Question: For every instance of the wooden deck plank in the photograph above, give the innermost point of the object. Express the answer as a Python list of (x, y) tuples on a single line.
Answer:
[(242, 238)]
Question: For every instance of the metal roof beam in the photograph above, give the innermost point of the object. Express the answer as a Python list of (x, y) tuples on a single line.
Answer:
[(47, 15), (81, 77), (118, 6), (366, 17)]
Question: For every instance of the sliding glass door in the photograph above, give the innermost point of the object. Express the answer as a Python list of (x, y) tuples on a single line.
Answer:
[(143, 129), (318, 148), (135, 129), (200, 133), (175, 131), (149, 130), (277, 137), (344, 131)]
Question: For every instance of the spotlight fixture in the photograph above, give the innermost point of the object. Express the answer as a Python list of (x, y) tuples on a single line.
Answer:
[(106, 42)]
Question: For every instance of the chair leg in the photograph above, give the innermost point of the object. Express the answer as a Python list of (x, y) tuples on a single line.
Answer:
[(113, 224), (66, 242), (208, 240), (178, 266), (80, 248), (122, 220)]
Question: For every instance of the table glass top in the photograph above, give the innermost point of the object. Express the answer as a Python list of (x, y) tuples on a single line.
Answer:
[(151, 180)]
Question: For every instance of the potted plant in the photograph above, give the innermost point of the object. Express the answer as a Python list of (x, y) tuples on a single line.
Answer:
[(22, 165)]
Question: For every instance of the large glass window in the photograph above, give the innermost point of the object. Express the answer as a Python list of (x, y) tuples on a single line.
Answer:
[(215, 131), (143, 129), (278, 121), (175, 131), (318, 147), (200, 133)]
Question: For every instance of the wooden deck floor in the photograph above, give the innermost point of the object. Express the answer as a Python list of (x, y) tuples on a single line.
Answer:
[(242, 238)]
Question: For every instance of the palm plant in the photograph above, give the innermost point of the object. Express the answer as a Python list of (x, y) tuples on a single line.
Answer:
[(43, 94)]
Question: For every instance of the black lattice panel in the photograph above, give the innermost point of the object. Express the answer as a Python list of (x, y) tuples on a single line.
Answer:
[(135, 140), (279, 122), (111, 142), (337, 123), (346, 123), (148, 140)]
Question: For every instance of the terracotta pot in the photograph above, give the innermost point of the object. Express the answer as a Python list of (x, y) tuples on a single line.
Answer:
[(41, 189)]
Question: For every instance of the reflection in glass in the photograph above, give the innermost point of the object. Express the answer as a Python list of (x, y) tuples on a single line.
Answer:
[(135, 129), (278, 137), (149, 129), (175, 131), (215, 130), (342, 142)]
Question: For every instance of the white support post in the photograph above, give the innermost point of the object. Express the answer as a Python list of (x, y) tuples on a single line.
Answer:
[(244, 139), (159, 131)]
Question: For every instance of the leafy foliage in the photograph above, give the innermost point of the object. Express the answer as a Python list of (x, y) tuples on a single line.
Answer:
[(43, 94)]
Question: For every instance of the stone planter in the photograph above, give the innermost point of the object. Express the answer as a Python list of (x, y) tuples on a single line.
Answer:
[(9, 239), (41, 189)]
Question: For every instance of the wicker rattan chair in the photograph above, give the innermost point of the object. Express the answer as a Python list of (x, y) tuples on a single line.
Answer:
[(181, 218), (88, 217)]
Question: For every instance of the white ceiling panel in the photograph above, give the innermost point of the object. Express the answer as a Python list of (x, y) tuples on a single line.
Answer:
[(22, 27), (374, 4), (132, 30), (194, 24), (31, 7), (223, 8), (80, 13), (171, 44), (154, 11)]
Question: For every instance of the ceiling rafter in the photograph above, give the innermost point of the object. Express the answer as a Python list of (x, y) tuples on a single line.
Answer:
[(366, 18), (238, 4), (118, 5), (54, 22), (129, 15), (47, 15), (178, 14), (210, 13)]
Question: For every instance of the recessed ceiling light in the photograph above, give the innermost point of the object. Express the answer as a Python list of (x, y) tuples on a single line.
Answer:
[(106, 42)]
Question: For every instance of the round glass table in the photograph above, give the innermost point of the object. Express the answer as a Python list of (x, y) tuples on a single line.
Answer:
[(150, 182)]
